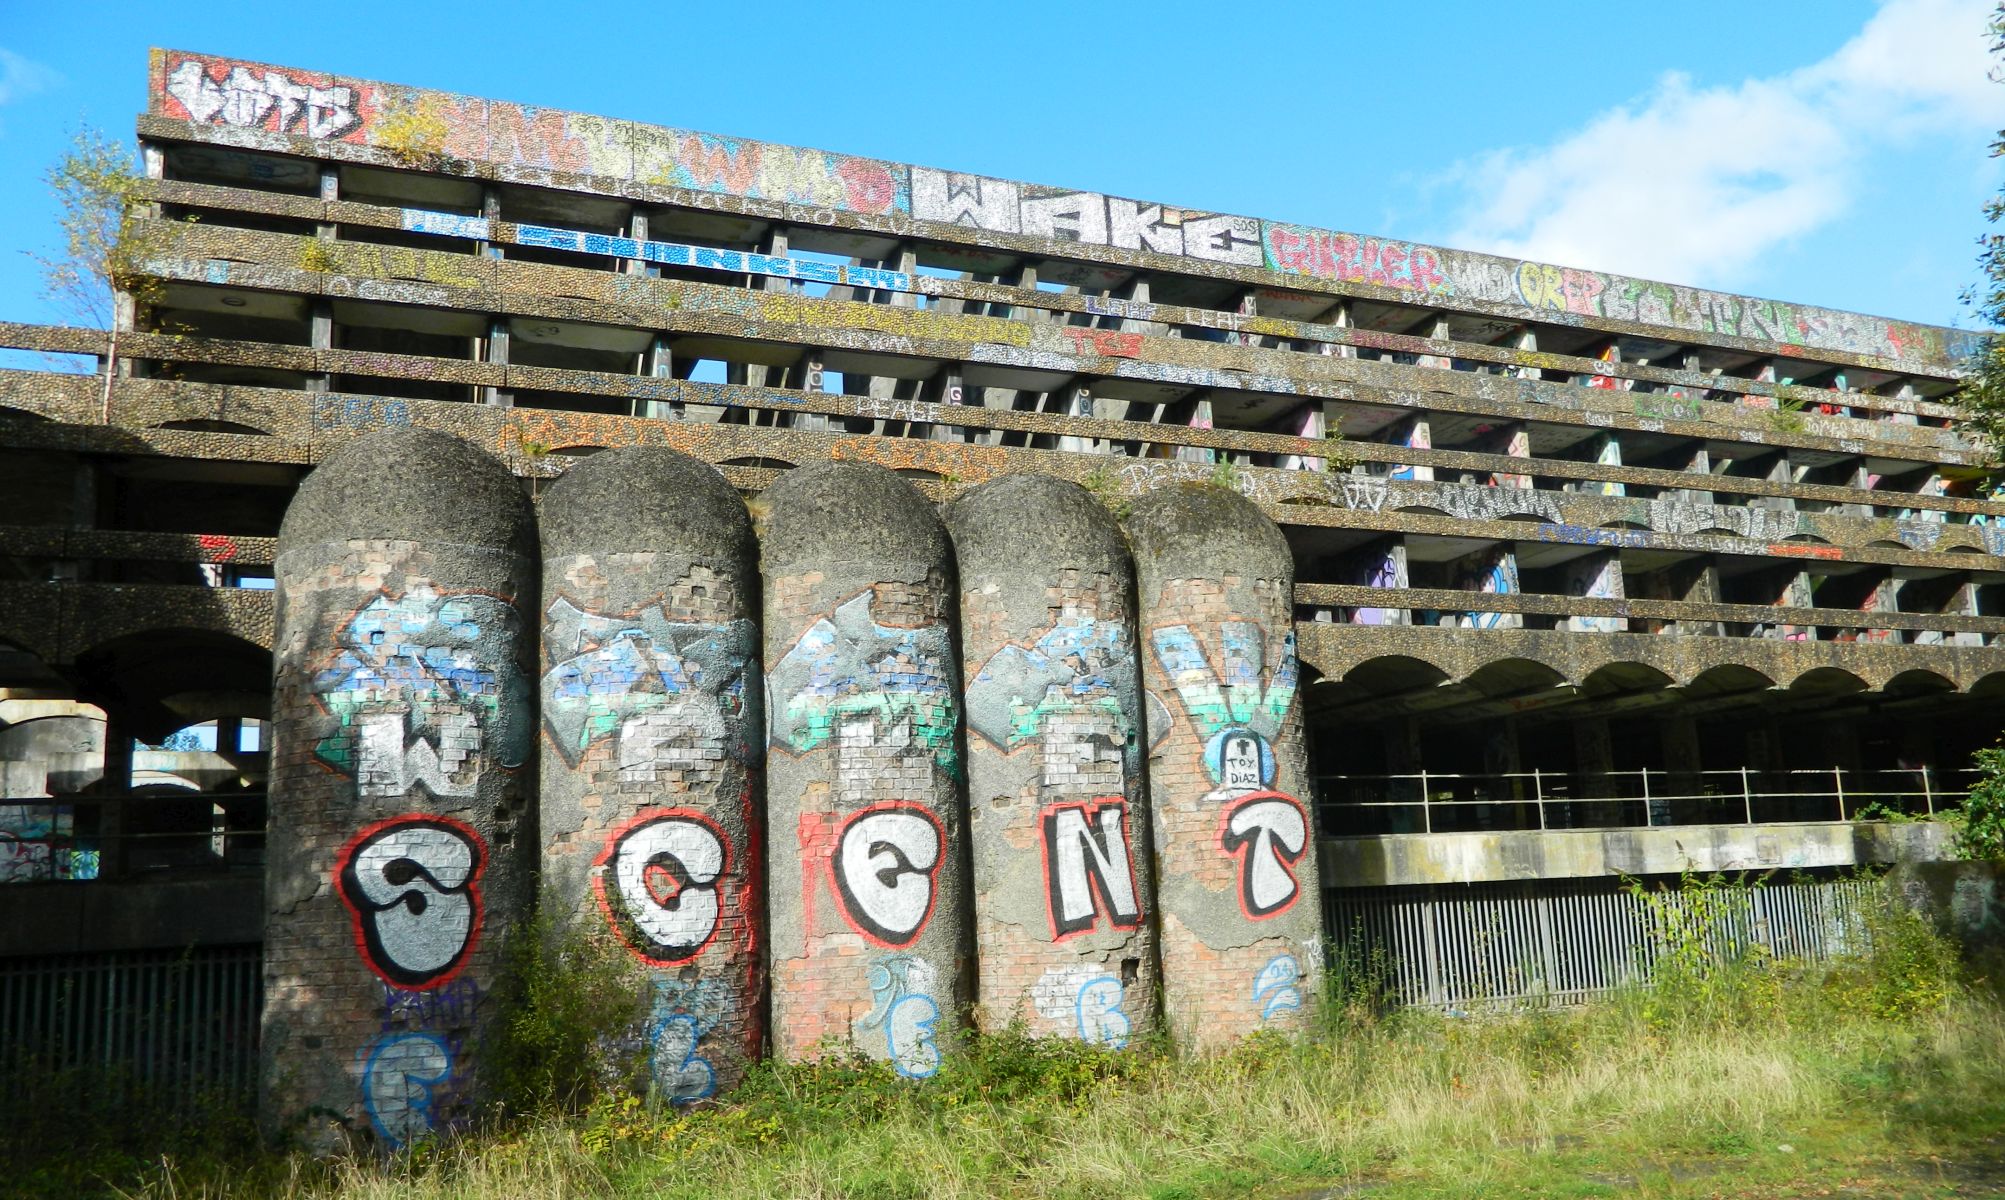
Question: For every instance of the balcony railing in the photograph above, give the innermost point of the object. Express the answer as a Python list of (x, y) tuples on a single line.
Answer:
[(1431, 802), (46, 839)]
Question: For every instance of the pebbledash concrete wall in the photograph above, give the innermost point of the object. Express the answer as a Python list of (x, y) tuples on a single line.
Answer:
[(401, 849), (827, 869)]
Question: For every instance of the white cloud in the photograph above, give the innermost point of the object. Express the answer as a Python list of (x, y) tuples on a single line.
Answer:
[(1695, 184), (21, 76)]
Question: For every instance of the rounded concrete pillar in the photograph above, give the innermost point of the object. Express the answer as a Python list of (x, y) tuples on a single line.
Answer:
[(402, 839), (867, 897), (1058, 824), (652, 741), (1237, 890)]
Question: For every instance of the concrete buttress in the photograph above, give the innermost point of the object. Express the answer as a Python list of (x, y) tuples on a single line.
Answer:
[(868, 891), (1057, 810), (1237, 889), (653, 736), (402, 838)]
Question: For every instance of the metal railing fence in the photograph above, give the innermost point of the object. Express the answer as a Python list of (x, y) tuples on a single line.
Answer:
[(170, 1026), (1445, 802), (1497, 946)]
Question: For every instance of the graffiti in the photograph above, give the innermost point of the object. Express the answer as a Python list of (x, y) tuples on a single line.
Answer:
[(682, 1014), (1302, 251), (670, 695), (1079, 665), (765, 171), (1491, 572), (444, 1007), (37, 842), (886, 869), (1276, 988), (707, 258), (1000, 206), (1089, 997), (217, 547), (1105, 343), (416, 702), (1364, 492), (359, 412), (1268, 832), (248, 96), (900, 410), (904, 1014), (1597, 576), (1237, 717), (848, 670), (411, 885), (658, 883), (1387, 569), (270, 100), (1088, 866), (1419, 436), (402, 1079)]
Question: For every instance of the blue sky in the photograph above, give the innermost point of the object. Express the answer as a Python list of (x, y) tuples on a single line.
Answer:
[(1832, 153)]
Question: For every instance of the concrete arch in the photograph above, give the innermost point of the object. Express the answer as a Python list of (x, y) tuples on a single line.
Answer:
[(1724, 679), (166, 678), (1835, 681), (1992, 684), (1625, 676), (1917, 682), (1508, 675), (1390, 673)]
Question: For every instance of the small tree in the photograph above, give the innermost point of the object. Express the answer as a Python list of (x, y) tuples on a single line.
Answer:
[(1983, 832), (1982, 399), (105, 246), (96, 186)]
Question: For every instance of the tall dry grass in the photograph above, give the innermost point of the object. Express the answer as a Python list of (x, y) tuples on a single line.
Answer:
[(1886, 1055)]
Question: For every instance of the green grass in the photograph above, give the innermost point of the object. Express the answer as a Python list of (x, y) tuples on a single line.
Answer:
[(1879, 1077)]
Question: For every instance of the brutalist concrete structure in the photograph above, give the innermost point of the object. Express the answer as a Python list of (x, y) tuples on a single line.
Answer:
[(1241, 925), (1591, 575)]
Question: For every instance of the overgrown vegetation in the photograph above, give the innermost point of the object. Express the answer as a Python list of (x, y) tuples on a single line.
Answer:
[(1982, 832), (1728, 1068), (97, 188), (1982, 400), (1106, 488)]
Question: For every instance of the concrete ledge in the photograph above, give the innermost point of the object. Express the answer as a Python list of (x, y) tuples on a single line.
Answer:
[(86, 918), (1582, 853)]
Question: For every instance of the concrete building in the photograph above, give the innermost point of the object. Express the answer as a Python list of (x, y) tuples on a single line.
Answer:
[(1592, 576)]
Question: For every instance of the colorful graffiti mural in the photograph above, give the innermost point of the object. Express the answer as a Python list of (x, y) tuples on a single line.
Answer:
[(419, 698), (848, 668), (667, 694)]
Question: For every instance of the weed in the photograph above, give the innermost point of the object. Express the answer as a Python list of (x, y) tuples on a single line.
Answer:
[(1339, 456), (415, 137), (1787, 416), (1225, 474), (1106, 488), (315, 256), (575, 1001)]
